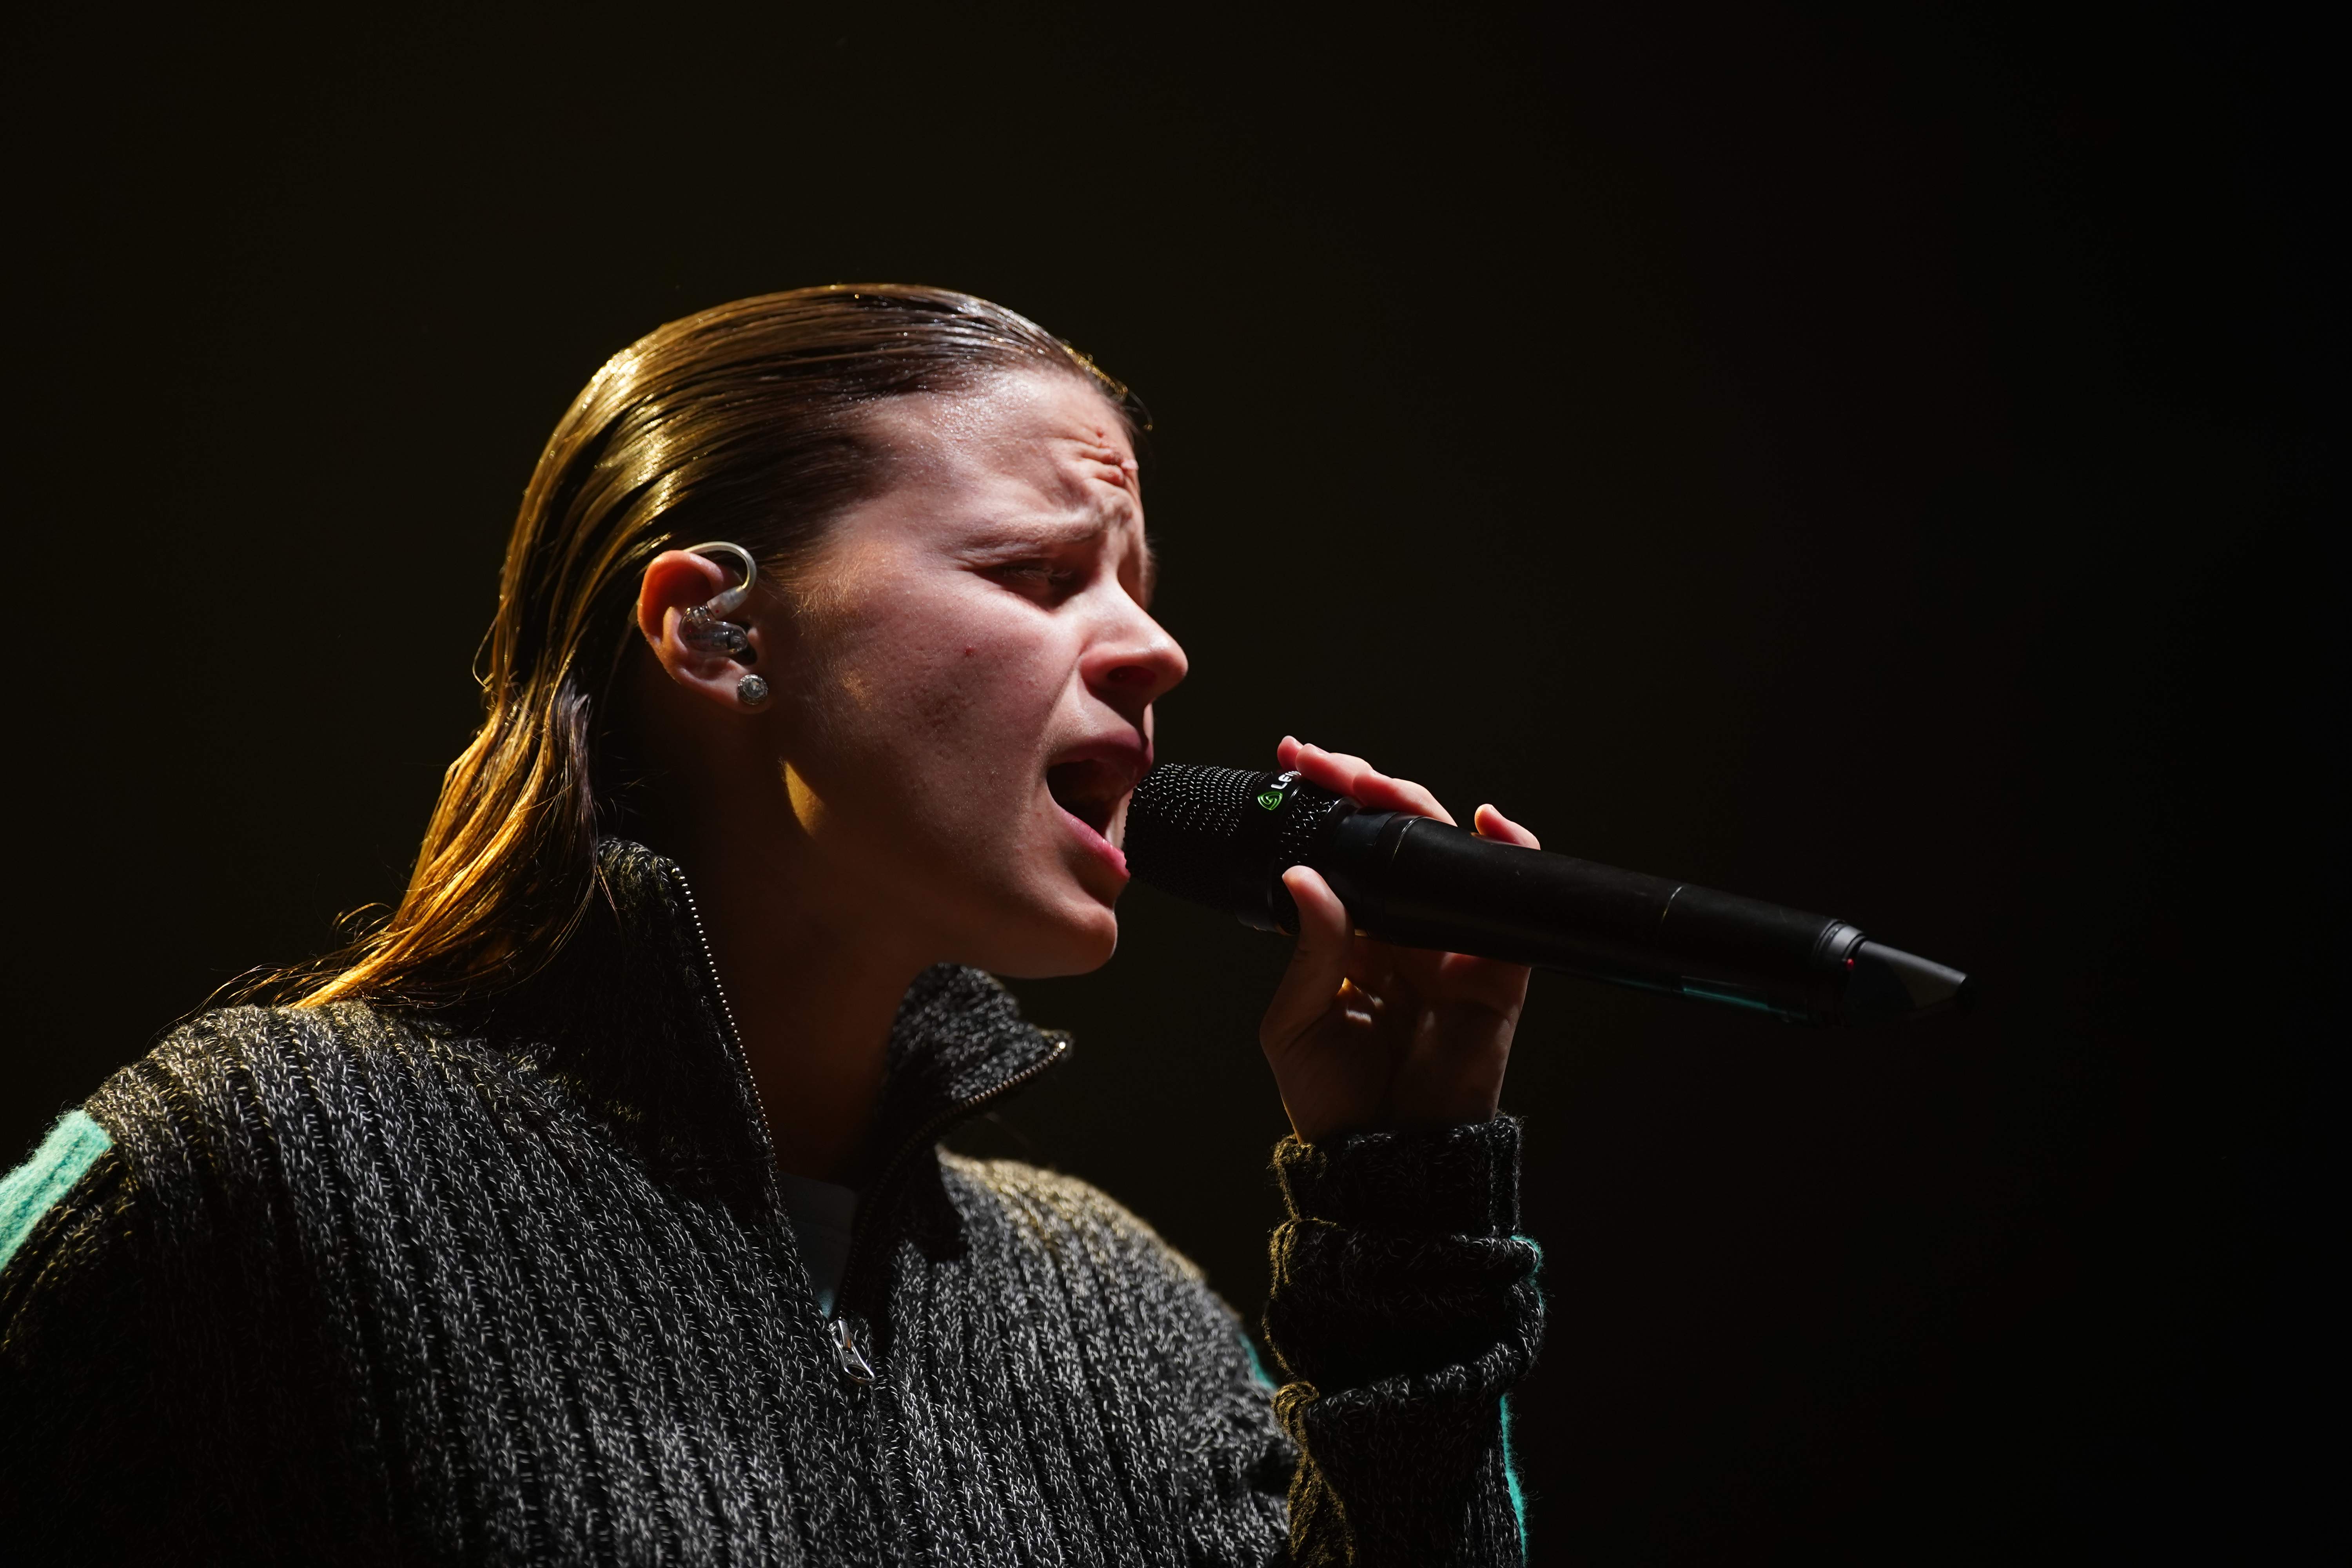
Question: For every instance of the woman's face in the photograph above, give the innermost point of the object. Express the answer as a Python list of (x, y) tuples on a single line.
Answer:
[(967, 698)]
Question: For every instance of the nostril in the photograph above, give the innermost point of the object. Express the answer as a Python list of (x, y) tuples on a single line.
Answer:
[(1148, 672)]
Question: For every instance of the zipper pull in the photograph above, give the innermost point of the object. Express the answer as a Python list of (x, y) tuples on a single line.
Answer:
[(853, 1362)]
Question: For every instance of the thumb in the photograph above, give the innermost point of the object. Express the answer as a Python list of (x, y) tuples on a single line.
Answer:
[(1317, 964)]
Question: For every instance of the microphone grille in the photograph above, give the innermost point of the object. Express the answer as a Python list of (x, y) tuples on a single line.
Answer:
[(1181, 823)]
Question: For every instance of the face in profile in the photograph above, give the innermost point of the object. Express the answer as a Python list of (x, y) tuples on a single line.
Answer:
[(968, 700)]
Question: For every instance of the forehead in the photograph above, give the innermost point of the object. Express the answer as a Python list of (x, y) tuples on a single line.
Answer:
[(1047, 434)]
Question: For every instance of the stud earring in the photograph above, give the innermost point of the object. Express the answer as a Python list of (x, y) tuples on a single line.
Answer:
[(705, 628), (751, 692)]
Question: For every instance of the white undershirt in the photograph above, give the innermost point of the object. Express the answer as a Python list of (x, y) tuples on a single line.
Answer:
[(821, 1215)]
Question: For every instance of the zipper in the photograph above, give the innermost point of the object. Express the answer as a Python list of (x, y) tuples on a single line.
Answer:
[(845, 1338), (845, 1352), (727, 1018), (843, 1329)]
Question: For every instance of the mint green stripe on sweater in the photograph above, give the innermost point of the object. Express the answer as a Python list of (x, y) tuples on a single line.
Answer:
[(1511, 1480), (33, 1188), (1510, 1465)]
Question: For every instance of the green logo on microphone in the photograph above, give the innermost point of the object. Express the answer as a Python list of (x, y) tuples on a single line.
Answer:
[(1272, 798)]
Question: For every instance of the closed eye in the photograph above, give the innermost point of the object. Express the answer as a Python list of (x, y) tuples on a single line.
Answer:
[(1043, 580)]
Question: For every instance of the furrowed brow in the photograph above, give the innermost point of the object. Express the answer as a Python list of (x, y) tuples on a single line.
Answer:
[(1037, 533)]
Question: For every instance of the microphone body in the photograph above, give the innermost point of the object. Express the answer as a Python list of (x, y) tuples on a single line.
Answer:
[(1222, 836)]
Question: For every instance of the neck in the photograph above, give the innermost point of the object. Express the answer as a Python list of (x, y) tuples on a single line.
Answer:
[(813, 998)]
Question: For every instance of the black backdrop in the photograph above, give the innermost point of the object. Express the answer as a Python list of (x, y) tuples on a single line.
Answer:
[(1868, 463)]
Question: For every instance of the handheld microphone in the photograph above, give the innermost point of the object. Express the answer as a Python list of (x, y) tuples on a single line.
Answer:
[(1223, 837)]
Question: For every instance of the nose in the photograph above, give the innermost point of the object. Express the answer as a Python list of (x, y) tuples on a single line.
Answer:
[(1133, 662)]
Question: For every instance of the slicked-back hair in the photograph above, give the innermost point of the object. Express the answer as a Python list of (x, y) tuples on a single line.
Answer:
[(748, 421)]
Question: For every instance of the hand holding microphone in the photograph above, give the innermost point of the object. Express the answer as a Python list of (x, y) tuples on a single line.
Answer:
[(1363, 1033), (1400, 1004)]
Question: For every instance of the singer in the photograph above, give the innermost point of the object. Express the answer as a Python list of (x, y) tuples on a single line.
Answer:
[(591, 1208)]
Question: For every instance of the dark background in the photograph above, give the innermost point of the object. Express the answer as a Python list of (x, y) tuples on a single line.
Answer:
[(1870, 461)]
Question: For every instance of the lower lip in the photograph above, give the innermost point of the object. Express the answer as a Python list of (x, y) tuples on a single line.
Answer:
[(1102, 848)]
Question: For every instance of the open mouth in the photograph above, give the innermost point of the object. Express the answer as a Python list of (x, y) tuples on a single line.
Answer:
[(1090, 791)]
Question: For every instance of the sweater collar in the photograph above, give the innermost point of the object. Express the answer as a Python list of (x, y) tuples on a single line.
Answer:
[(633, 1021)]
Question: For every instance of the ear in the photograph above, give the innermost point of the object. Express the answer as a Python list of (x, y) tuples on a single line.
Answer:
[(676, 582)]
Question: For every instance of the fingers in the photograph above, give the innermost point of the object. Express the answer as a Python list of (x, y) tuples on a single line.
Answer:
[(1492, 824), (1368, 787), (1372, 966), (1317, 964), (1490, 985), (1358, 781)]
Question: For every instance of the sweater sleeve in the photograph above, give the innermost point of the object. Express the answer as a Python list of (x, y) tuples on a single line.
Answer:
[(80, 1466), (1403, 1308)]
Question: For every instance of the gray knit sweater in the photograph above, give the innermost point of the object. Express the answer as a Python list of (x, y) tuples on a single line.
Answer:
[(348, 1284)]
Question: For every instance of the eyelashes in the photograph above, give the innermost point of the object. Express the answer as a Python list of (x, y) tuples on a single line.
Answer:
[(1039, 577), (1051, 579)]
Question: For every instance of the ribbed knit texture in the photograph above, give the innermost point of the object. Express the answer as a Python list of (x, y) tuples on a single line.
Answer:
[(357, 1286), (1403, 1309)]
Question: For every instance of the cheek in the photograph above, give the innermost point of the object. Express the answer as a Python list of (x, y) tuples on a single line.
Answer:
[(943, 709), (990, 693)]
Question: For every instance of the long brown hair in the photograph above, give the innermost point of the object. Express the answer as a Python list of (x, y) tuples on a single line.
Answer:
[(746, 422)]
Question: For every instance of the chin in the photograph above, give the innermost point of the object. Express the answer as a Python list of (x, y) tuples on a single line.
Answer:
[(1079, 941)]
